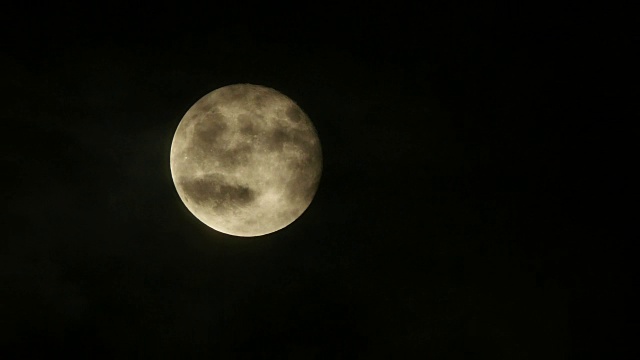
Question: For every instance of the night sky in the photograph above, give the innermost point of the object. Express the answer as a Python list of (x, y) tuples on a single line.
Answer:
[(467, 207)]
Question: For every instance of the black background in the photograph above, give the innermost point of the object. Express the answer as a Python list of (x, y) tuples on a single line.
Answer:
[(470, 204)]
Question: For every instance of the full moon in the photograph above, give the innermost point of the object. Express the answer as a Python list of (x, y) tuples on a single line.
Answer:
[(246, 160)]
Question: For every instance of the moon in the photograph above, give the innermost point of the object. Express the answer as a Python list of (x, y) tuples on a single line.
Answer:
[(246, 160)]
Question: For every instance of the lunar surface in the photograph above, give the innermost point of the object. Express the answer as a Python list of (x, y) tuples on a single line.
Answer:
[(246, 160)]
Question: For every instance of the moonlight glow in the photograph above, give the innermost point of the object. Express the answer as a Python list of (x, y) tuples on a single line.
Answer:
[(246, 160)]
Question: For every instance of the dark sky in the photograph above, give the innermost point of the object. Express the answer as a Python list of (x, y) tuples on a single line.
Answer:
[(472, 169)]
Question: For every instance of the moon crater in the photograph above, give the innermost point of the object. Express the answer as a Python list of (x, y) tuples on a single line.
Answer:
[(213, 191)]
